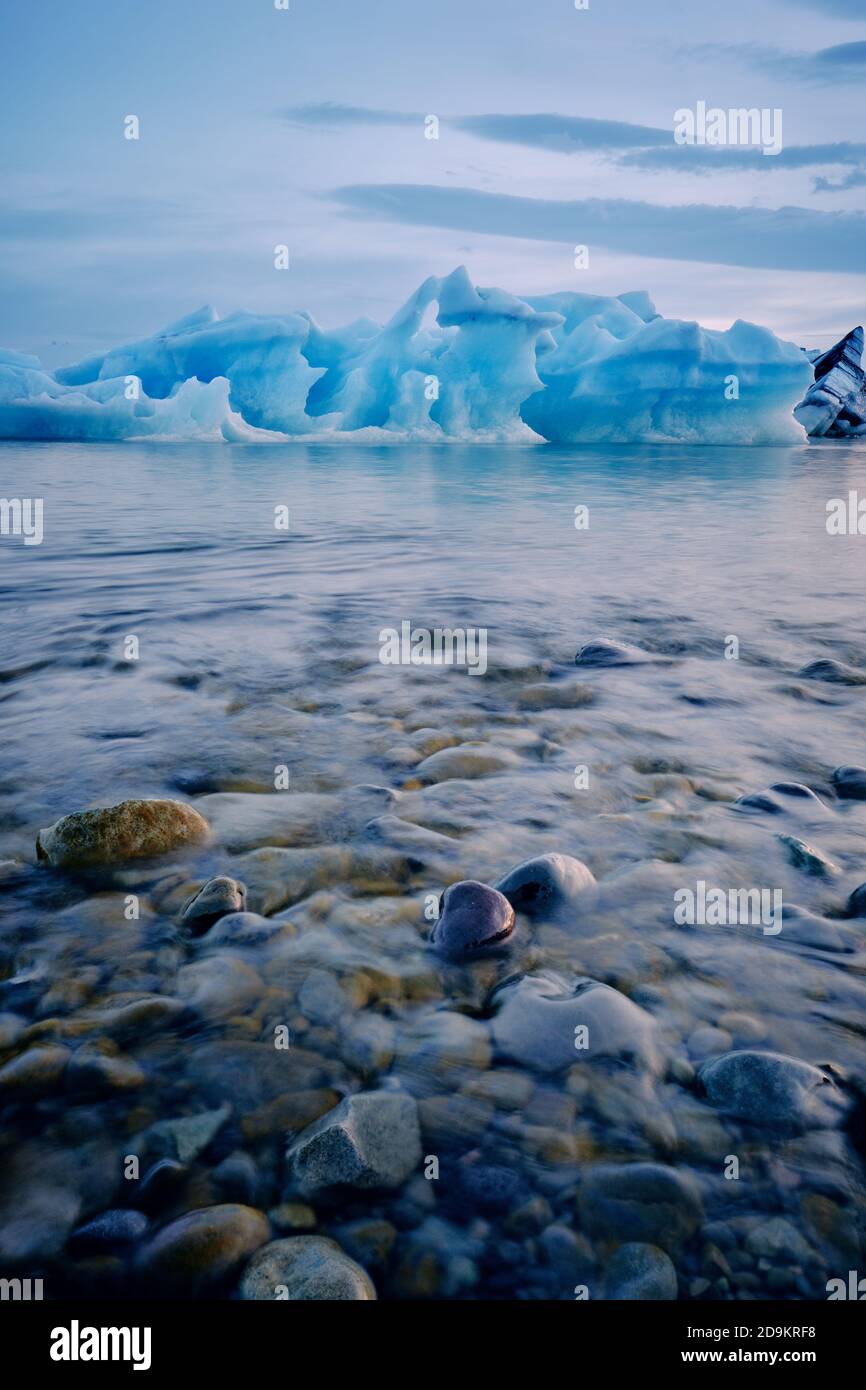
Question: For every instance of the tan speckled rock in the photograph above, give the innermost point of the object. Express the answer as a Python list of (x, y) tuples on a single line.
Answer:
[(311, 1268), (136, 829)]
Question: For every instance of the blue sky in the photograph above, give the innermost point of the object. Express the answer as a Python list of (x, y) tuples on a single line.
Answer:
[(306, 127)]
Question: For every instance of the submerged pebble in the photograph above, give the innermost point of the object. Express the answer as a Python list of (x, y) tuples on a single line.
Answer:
[(769, 1089), (548, 884), (201, 1251), (606, 652), (549, 1022), (640, 1202), (833, 671), (640, 1271)]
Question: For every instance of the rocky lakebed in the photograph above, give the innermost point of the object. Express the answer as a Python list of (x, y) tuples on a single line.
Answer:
[(321, 979)]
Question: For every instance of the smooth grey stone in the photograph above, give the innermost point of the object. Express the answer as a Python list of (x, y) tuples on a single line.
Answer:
[(311, 1268), (643, 1202), (474, 919), (805, 928), (850, 783), (216, 898), (321, 998), (536, 1017), (769, 1089), (403, 834), (605, 652), (371, 1140), (640, 1272), (835, 672), (109, 1231), (543, 886), (243, 929)]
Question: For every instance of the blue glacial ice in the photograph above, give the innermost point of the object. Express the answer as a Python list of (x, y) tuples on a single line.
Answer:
[(456, 362)]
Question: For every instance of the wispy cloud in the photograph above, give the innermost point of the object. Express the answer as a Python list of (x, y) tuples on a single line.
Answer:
[(855, 179), (843, 62), (777, 239), (707, 159), (566, 134), (843, 9), (332, 116)]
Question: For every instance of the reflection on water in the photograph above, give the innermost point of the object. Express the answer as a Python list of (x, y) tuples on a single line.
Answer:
[(258, 648)]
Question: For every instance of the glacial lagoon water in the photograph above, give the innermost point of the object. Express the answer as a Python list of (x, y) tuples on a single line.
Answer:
[(256, 655)]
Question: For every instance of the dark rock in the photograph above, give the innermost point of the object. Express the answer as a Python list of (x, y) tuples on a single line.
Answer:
[(108, 1232), (161, 1184), (237, 1178), (856, 906), (473, 920), (850, 783), (605, 652), (369, 1240), (835, 672)]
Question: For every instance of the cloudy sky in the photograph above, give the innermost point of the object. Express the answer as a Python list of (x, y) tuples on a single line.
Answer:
[(306, 127)]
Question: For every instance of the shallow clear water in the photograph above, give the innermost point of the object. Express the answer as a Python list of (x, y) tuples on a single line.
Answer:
[(259, 648)]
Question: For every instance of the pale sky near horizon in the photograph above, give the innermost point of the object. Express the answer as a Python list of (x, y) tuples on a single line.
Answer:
[(305, 126)]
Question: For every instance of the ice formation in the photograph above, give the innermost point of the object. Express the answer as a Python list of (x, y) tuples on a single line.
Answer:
[(836, 404), (486, 366)]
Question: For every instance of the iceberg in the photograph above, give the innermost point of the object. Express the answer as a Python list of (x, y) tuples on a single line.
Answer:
[(835, 405), (457, 362)]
